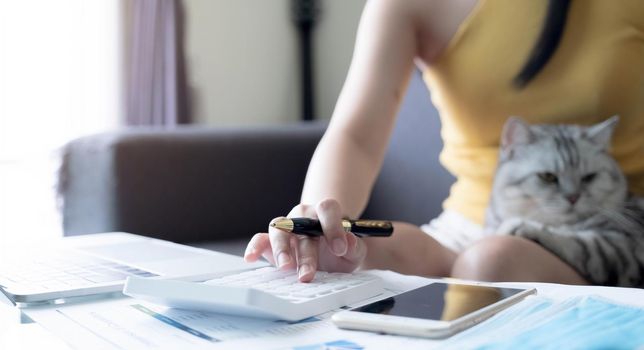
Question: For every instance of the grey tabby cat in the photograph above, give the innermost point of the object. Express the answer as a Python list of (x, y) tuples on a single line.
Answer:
[(558, 186)]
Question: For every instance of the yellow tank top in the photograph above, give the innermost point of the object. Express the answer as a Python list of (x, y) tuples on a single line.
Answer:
[(596, 72)]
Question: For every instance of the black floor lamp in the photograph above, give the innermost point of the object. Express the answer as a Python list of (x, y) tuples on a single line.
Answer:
[(305, 16)]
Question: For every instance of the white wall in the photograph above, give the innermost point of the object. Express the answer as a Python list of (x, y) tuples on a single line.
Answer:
[(335, 38), (243, 64)]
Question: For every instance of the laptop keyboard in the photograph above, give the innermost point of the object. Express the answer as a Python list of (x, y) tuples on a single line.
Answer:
[(65, 271)]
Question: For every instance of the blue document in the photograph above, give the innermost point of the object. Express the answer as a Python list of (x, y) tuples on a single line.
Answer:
[(576, 323)]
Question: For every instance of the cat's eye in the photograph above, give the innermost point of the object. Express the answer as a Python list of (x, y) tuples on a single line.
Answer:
[(548, 177), (588, 177)]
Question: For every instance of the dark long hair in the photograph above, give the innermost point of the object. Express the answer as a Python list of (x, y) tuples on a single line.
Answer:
[(546, 45)]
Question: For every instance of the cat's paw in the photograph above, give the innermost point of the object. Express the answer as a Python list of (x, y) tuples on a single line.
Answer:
[(509, 227), (519, 227)]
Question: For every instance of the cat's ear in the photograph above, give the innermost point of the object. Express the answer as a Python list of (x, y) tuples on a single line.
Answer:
[(601, 133), (516, 132)]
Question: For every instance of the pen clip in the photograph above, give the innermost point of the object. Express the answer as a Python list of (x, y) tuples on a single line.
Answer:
[(372, 228)]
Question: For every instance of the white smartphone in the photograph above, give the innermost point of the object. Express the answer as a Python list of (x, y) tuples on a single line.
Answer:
[(436, 310)]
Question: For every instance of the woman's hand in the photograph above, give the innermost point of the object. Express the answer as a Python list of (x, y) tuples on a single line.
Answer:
[(336, 250)]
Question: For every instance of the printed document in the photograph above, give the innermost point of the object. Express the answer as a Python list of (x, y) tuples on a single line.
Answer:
[(128, 323)]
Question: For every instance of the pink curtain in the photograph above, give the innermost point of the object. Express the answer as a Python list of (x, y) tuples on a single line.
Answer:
[(156, 91)]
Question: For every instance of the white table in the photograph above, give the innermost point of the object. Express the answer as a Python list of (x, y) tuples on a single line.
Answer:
[(32, 336), (17, 336)]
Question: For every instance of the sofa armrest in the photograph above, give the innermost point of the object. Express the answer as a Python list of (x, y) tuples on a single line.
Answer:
[(187, 184)]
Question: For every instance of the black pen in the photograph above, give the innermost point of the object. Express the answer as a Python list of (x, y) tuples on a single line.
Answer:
[(312, 227)]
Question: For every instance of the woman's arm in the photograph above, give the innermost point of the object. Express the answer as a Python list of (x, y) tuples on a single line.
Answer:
[(392, 33), (348, 159)]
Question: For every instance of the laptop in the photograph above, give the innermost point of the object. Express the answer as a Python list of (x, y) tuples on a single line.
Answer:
[(97, 264)]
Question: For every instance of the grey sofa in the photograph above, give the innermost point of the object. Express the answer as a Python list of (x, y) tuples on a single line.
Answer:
[(219, 186)]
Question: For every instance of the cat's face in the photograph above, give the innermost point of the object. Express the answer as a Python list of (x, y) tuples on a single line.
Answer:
[(557, 174)]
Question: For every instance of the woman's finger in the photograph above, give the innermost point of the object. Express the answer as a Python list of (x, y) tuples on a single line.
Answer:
[(257, 246), (307, 257), (330, 216), (281, 247), (356, 249)]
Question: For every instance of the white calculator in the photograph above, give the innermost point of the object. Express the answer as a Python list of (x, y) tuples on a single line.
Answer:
[(266, 293)]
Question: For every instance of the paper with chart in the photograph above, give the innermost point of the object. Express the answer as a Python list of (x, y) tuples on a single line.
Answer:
[(130, 324)]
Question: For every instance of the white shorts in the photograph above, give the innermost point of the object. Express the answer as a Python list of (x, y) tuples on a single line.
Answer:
[(454, 231)]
